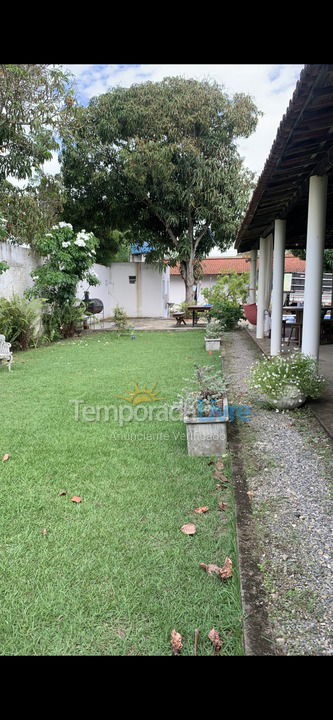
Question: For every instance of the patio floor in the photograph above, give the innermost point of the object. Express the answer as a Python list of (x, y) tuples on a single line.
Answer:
[(149, 324), (322, 408)]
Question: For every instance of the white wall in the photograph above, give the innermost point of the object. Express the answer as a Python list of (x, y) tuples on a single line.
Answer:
[(21, 262), (177, 288), (148, 297)]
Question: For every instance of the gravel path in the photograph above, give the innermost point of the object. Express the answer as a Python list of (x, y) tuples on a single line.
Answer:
[(288, 461)]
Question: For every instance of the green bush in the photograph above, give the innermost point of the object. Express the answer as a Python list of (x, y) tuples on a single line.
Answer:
[(274, 376), (19, 321), (119, 317), (228, 312), (64, 321)]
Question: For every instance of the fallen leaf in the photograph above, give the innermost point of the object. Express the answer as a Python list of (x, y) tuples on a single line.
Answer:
[(219, 465), (250, 493), (216, 641), (226, 571), (188, 529), (63, 492), (200, 510), (176, 642), (210, 568), (219, 476), (76, 499), (6, 457), (222, 505), (44, 531)]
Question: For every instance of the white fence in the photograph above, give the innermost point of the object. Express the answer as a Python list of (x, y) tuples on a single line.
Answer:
[(140, 289)]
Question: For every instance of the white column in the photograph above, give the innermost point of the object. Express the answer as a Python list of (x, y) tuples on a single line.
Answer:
[(277, 293), (253, 277), (261, 289), (315, 242)]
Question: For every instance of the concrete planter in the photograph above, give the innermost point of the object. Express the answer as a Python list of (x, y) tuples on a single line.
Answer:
[(213, 343), (207, 435), (291, 399)]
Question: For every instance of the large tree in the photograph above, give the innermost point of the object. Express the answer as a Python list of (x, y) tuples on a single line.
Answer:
[(36, 103), (32, 210), (161, 159)]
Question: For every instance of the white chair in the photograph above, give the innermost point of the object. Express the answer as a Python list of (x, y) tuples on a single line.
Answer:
[(5, 353)]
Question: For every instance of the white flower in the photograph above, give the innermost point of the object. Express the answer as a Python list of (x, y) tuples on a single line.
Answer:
[(80, 242), (65, 244), (48, 235)]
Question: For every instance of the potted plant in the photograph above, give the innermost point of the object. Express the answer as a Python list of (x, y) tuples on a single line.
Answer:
[(284, 382), (213, 335), (205, 412)]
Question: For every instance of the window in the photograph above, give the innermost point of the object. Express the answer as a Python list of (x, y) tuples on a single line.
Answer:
[(132, 279)]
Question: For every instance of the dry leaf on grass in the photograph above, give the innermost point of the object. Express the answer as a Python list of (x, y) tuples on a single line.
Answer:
[(44, 531), (226, 571), (216, 641), (210, 568), (76, 499), (222, 505), (219, 476), (188, 529), (62, 492), (176, 642), (6, 457), (200, 510), (219, 465)]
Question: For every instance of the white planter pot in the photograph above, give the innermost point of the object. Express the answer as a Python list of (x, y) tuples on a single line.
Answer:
[(213, 343), (292, 398), (207, 435)]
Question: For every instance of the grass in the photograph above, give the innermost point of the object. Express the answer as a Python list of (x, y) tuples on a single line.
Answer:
[(114, 574)]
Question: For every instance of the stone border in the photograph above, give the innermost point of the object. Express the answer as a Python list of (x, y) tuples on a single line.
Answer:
[(257, 632)]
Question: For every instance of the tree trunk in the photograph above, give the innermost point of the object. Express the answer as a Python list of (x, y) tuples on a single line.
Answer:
[(186, 271)]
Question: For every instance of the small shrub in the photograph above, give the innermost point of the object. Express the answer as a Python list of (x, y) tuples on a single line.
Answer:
[(276, 376), (214, 329), (203, 395), (119, 318), (19, 321)]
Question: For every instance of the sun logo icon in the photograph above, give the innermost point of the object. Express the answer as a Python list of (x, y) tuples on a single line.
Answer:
[(141, 395)]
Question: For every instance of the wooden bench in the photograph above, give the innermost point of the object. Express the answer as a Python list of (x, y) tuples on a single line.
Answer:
[(180, 317), (5, 353)]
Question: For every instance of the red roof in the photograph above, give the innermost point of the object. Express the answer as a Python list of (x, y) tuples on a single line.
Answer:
[(215, 266)]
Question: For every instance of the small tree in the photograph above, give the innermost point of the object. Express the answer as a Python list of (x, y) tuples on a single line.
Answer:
[(69, 257), (226, 297)]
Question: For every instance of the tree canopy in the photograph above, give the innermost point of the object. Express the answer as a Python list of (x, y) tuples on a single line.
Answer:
[(161, 160), (36, 101)]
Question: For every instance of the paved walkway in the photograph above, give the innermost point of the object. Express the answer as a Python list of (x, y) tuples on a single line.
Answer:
[(149, 324), (322, 408), (287, 507)]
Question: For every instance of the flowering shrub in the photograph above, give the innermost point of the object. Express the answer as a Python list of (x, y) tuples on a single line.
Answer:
[(279, 376), (69, 257), (214, 329)]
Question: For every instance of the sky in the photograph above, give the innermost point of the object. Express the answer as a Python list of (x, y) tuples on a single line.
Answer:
[(271, 87)]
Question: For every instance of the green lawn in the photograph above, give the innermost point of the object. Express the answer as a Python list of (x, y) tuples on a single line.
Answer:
[(114, 574)]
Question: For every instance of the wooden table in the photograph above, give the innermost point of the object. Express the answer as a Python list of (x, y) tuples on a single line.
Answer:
[(196, 309), (298, 310)]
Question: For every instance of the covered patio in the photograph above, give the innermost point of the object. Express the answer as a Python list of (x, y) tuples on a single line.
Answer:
[(292, 208)]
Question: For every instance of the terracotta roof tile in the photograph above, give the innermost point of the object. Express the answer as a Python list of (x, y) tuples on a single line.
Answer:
[(215, 266)]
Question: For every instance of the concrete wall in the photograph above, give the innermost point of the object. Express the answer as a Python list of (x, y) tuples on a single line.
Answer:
[(177, 288), (147, 297), (21, 262)]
